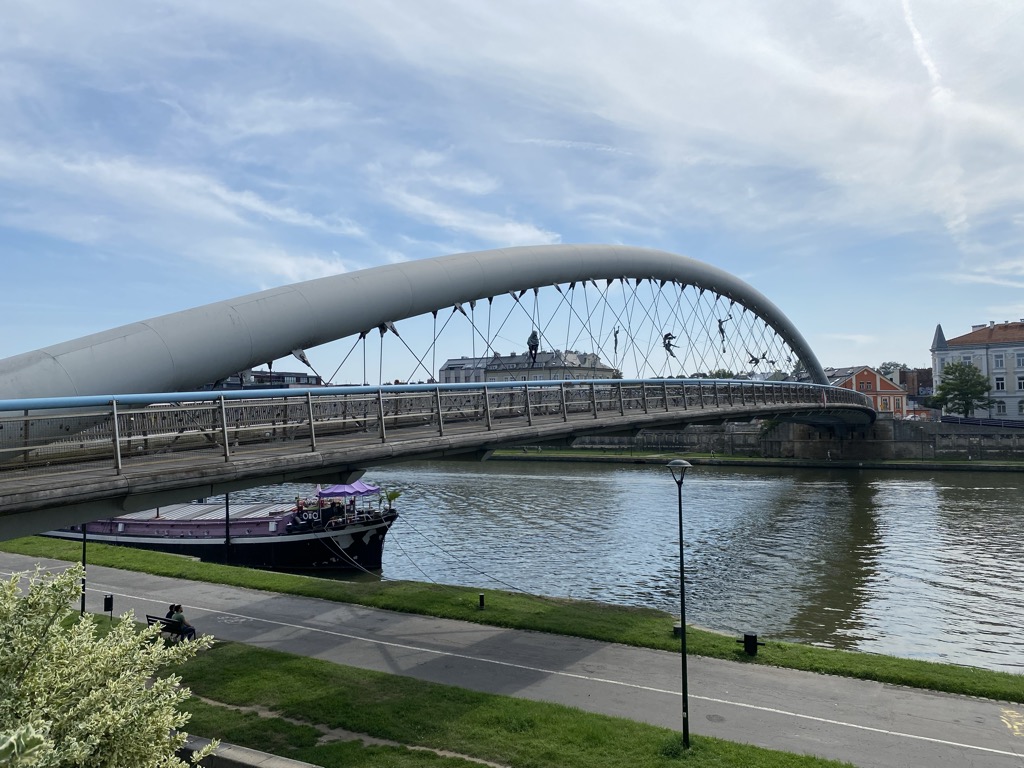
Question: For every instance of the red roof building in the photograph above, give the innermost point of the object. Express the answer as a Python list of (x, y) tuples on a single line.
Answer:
[(886, 395)]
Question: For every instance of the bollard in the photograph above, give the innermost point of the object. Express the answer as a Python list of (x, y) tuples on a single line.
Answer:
[(750, 643), (481, 601), (108, 605)]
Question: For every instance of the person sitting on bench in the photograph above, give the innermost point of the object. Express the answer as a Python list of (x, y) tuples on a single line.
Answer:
[(188, 632)]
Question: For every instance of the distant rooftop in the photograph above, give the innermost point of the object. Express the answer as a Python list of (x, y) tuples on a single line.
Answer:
[(993, 333)]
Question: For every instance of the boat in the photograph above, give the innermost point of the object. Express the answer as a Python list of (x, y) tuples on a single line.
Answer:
[(341, 527)]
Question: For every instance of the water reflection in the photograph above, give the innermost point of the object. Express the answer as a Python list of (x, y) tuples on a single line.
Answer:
[(917, 565)]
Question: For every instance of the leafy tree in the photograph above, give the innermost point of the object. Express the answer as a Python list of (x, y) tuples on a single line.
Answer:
[(70, 697), (890, 367), (721, 373), (962, 389)]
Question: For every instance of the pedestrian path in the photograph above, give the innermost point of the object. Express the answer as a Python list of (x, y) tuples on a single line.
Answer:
[(868, 724)]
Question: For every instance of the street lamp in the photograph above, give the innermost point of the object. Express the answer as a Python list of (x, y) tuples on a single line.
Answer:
[(678, 469)]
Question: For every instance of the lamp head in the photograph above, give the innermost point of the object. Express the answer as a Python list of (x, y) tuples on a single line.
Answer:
[(678, 469)]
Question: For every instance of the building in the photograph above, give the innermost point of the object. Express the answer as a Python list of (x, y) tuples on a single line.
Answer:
[(918, 383), (997, 350), (548, 365), (252, 379), (886, 395)]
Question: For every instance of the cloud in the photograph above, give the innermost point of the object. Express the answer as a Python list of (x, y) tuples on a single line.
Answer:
[(274, 265), (129, 189), (574, 145)]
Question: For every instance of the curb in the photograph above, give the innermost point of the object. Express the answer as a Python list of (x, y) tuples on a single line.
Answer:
[(232, 756)]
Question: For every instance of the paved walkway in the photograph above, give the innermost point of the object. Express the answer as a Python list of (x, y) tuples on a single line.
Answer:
[(868, 724)]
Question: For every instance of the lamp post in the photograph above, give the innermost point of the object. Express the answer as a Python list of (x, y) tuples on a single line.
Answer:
[(678, 469)]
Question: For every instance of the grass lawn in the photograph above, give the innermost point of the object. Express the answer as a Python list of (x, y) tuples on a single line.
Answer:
[(618, 624), (301, 693)]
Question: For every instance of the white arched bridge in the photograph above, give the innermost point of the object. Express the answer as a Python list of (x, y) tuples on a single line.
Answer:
[(119, 420)]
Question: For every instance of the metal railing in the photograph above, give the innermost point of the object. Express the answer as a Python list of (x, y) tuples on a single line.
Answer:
[(119, 432)]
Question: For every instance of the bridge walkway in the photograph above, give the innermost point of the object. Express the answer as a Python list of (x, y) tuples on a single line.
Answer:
[(70, 463)]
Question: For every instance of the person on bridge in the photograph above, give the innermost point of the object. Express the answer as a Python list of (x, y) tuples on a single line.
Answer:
[(188, 632)]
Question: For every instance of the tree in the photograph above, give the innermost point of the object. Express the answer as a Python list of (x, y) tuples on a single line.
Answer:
[(890, 367), (70, 697), (721, 373), (962, 389)]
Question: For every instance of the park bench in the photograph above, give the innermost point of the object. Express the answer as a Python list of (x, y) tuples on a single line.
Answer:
[(167, 626)]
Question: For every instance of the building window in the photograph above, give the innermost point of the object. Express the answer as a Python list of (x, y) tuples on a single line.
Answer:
[(1020, 359), (1000, 407), (1020, 408), (898, 403), (1000, 384), (1020, 382), (864, 386), (966, 359), (997, 360), (885, 403)]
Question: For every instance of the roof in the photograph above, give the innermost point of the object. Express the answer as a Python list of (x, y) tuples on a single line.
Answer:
[(993, 333), (837, 376)]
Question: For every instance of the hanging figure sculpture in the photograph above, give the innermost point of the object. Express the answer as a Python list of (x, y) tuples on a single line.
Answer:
[(721, 330), (666, 340), (533, 345)]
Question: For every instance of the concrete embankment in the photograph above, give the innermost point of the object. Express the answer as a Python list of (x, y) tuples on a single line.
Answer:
[(744, 461)]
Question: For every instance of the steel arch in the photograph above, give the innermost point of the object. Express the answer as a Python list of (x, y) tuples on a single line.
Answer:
[(187, 349)]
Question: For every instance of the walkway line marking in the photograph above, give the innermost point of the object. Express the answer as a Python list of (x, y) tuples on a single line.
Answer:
[(589, 678)]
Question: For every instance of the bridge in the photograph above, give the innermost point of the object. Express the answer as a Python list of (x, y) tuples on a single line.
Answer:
[(686, 342)]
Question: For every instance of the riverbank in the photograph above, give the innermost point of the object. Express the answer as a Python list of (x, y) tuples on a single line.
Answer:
[(639, 627), (625, 456), (329, 715)]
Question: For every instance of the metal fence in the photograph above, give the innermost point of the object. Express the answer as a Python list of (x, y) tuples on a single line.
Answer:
[(63, 434)]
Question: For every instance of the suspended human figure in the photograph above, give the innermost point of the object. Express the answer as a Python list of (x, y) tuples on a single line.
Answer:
[(533, 344), (666, 340), (721, 329), (615, 333)]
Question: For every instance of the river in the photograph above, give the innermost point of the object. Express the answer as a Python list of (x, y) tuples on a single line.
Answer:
[(925, 565)]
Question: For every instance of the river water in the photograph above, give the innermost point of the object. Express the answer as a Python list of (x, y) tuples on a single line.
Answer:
[(922, 564)]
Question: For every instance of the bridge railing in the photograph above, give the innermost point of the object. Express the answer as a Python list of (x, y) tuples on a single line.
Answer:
[(119, 432)]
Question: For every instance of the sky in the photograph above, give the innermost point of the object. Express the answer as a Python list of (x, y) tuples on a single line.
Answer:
[(859, 163)]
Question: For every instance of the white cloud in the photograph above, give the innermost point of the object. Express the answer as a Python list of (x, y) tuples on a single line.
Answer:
[(273, 264)]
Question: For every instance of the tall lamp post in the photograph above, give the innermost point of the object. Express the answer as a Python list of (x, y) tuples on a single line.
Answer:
[(678, 469)]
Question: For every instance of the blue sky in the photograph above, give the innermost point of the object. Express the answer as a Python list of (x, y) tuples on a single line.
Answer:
[(860, 163)]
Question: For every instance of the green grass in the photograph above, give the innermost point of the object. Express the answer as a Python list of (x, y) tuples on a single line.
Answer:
[(618, 624), (303, 692)]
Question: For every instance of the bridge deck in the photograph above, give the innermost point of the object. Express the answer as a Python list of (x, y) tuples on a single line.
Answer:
[(66, 465)]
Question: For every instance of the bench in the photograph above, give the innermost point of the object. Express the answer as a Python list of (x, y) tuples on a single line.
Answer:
[(168, 626)]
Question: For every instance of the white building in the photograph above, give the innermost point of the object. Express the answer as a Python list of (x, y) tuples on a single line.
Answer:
[(549, 365), (997, 350)]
